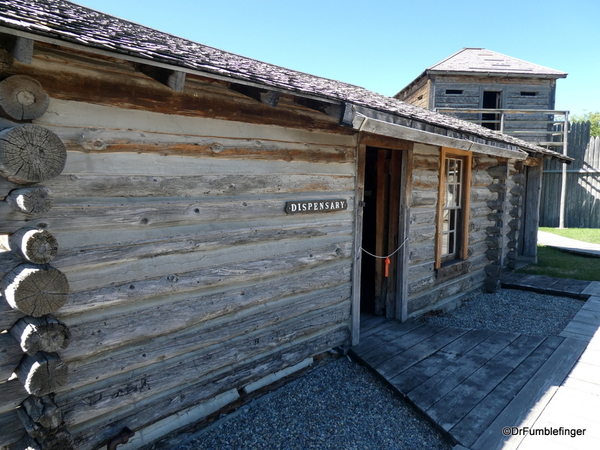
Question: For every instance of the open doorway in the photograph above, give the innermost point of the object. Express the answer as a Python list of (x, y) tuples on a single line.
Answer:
[(380, 236), (491, 100)]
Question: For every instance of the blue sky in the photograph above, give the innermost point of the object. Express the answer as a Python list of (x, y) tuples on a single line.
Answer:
[(384, 45)]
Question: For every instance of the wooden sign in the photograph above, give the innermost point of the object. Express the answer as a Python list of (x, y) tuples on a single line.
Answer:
[(316, 206)]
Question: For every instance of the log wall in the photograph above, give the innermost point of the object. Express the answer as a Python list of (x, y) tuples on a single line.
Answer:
[(426, 290), (188, 281)]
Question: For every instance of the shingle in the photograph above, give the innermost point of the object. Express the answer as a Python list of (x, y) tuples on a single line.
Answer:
[(68, 22)]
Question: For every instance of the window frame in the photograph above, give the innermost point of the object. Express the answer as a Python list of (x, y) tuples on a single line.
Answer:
[(462, 244)]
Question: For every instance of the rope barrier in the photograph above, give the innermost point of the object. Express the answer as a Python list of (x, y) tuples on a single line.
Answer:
[(388, 256)]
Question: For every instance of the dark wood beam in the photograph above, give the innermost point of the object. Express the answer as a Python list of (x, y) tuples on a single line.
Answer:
[(23, 50), (171, 78), (344, 111), (266, 96)]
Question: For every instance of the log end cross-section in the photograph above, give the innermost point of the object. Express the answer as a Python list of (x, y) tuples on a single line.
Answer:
[(23, 98), (35, 290), (33, 245), (42, 373), (31, 154), (30, 200), (44, 333)]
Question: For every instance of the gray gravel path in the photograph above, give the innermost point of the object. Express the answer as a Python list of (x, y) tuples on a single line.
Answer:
[(513, 310), (340, 406)]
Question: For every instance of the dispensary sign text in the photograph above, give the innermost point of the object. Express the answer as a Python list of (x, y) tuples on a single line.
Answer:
[(316, 206)]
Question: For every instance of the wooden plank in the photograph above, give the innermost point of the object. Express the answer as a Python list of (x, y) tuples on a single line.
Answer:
[(398, 345), (468, 429), (383, 335), (444, 381), (419, 373), (418, 352), (520, 411), (455, 405)]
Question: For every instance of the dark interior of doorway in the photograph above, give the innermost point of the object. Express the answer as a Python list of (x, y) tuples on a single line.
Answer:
[(491, 100), (380, 229)]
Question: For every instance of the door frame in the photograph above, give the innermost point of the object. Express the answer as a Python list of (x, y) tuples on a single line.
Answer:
[(399, 308)]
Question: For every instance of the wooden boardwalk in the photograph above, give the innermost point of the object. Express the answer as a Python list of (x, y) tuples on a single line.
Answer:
[(473, 383)]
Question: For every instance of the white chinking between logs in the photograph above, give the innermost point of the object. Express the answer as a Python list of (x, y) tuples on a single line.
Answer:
[(31, 154)]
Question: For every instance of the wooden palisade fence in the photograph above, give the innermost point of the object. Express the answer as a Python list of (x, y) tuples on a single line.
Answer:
[(583, 183), (30, 366)]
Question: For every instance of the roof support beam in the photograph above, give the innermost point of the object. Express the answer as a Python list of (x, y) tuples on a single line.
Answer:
[(265, 96), (366, 124), (171, 78), (344, 111), (23, 50)]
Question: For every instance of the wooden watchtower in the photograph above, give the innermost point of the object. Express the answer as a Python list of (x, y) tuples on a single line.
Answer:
[(497, 91)]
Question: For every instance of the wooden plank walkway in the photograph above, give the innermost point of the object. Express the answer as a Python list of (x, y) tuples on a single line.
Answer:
[(473, 383)]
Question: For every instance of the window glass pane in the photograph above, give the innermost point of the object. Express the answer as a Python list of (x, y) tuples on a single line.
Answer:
[(451, 243), (444, 244)]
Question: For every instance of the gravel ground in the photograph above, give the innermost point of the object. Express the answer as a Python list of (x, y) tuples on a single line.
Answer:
[(339, 406), (513, 310), (344, 406)]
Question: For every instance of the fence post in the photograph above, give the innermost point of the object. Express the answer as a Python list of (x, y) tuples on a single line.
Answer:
[(563, 187)]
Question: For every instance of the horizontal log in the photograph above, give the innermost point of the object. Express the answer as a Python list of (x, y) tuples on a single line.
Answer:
[(107, 185), (205, 387), (22, 98), (141, 214), (59, 439), (498, 172), (232, 270), (10, 356), (30, 200), (460, 287), (422, 253), (421, 198), (42, 373), (35, 290), (30, 154), (33, 245), (425, 179), (12, 429), (45, 333), (129, 388), (12, 394), (519, 179), (133, 355)]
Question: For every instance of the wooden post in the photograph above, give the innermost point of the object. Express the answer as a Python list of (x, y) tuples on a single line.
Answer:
[(30, 200), (23, 98), (35, 290), (44, 333), (563, 184), (31, 154), (42, 373)]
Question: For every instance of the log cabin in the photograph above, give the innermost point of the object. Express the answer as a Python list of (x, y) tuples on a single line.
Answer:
[(181, 225)]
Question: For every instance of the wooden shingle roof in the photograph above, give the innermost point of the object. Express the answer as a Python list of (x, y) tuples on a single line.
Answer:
[(483, 61), (66, 23)]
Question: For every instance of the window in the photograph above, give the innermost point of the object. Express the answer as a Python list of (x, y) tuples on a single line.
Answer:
[(528, 94), (454, 91), (453, 207)]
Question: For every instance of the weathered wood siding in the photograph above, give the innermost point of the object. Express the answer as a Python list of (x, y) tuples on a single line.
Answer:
[(426, 292), (516, 93), (188, 279)]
